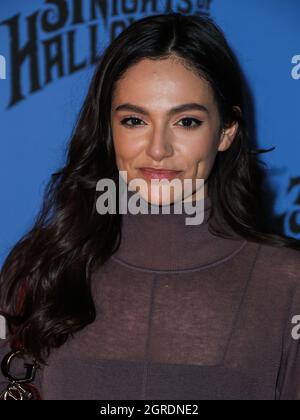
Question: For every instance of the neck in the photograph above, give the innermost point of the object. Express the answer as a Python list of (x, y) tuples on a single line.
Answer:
[(166, 242)]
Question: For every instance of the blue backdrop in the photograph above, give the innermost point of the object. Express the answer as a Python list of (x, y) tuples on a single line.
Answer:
[(47, 55)]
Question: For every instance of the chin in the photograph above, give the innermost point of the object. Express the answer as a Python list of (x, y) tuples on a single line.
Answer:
[(158, 197)]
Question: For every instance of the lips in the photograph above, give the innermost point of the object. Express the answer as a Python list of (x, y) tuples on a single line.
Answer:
[(159, 173)]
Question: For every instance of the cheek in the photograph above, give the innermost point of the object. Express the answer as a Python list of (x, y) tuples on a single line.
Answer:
[(126, 149), (122, 144), (200, 150), (204, 166), (200, 156)]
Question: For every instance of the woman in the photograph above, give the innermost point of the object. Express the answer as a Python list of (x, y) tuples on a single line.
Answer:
[(144, 306)]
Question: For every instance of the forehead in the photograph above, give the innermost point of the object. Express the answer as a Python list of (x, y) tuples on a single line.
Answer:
[(168, 80)]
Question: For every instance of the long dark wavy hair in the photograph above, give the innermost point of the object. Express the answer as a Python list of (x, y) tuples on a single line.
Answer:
[(46, 290)]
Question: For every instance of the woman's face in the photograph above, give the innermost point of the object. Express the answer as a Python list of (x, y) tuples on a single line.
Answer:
[(147, 132)]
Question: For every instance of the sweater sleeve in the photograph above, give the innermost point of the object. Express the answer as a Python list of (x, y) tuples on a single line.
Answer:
[(288, 386)]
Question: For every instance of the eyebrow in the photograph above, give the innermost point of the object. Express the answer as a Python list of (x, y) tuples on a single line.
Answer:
[(172, 111)]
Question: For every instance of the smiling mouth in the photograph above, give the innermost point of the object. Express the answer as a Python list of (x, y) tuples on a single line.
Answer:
[(151, 173)]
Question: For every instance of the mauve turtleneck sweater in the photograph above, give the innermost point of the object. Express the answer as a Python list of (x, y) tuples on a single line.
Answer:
[(183, 314)]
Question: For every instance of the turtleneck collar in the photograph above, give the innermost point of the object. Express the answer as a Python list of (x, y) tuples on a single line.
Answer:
[(164, 242)]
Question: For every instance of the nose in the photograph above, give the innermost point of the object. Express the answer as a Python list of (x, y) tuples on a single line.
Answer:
[(160, 143)]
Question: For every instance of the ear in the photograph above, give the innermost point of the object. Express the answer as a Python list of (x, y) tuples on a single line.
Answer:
[(228, 134)]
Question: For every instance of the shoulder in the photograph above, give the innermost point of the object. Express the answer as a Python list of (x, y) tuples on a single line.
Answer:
[(280, 264), (276, 254), (280, 257)]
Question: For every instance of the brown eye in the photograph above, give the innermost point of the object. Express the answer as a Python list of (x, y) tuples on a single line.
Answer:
[(134, 121), (189, 122)]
